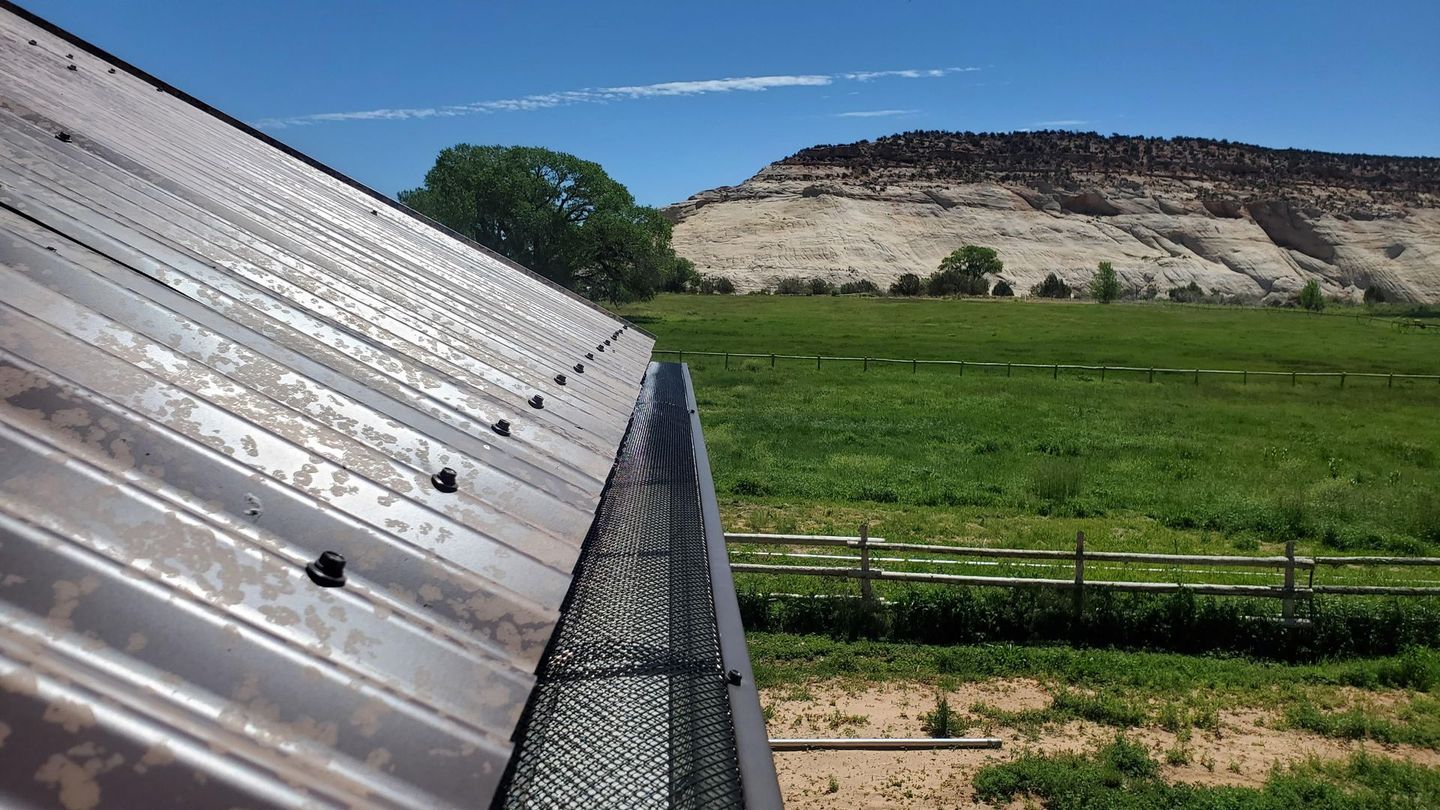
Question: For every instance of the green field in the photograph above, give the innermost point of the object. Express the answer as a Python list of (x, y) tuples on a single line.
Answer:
[(1027, 460)]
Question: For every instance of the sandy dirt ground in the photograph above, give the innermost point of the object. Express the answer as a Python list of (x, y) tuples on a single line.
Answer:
[(1247, 745)]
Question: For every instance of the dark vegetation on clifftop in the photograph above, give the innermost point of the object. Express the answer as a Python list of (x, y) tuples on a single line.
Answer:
[(1059, 158)]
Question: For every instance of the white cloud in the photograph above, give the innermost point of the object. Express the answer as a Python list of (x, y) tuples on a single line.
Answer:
[(873, 113), (601, 95)]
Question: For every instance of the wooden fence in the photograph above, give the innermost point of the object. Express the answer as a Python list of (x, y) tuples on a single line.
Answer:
[(861, 567), (1056, 368)]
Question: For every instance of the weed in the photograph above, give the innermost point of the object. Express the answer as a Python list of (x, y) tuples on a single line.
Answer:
[(941, 722), (833, 786)]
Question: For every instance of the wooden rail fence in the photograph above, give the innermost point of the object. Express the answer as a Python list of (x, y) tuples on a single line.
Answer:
[(1056, 368), (1290, 591)]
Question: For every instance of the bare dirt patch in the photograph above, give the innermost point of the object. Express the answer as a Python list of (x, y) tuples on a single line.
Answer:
[(1246, 745)]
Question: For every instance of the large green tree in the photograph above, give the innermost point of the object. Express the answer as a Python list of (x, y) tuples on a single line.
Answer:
[(558, 215)]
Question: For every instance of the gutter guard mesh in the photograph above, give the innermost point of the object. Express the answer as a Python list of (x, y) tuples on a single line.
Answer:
[(631, 708)]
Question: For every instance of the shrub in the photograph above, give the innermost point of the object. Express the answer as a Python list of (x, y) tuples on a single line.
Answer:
[(1374, 295), (1189, 294), (941, 722), (819, 286), (680, 276), (1051, 287), (1105, 286), (862, 287), (908, 284), (954, 282), (791, 285), (1310, 297), (1002, 289), (715, 285)]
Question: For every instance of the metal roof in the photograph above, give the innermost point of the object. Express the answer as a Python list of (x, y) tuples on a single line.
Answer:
[(218, 360)]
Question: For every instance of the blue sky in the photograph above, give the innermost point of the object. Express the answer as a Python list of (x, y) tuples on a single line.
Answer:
[(675, 97)]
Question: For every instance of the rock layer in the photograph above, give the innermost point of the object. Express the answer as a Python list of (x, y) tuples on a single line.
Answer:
[(875, 211)]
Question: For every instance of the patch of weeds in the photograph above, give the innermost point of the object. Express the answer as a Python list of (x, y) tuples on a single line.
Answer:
[(1056, 480), (1416, 724), (941, 722), (837, 719), (1106, 709), (1177, 755), (1122, 776), (833, 786)]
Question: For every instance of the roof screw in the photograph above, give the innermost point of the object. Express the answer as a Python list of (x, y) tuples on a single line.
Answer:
[(375, 212), (600, 347), (537, 401), (607, 343), (69, 56), (733, 677), (445, 480), (328, 571), (579, 368), (63, 137), (589, 355), (33, 42), (502, 427), (72, 67), (559, 379)]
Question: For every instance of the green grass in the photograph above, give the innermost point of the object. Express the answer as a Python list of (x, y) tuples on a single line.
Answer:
[(1027, 460), (1122, 775)]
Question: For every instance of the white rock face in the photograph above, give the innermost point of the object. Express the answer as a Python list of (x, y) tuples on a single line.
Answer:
[(1157, 232)]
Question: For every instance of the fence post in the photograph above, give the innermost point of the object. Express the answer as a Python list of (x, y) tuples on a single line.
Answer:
[(866, 592), (1056, 374), (772, 360), (817, 362), (1152, 374), (727, 360), (914, 365), (1292, 379), (962, 368), (1007, 369), (867, 365), (1197, 376), (1289, 602), (1245, 377), (1102, 374), (1078, 594), (682, 356), (1392, 380), (1342, 379)]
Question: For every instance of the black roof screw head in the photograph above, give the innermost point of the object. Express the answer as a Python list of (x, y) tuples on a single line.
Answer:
[(72, 67), (579, 368), (328, 571), (501, 426), (63, 137), (733, 677), (559, 379), (607, 343), (589, 355), (537, 401), (33, 42), (445, 480), (375, 211), (111, 71), (600, 347)]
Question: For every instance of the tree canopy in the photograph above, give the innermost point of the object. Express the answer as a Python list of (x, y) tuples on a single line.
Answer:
[(1105, 285), (558, 215), (963, 272)]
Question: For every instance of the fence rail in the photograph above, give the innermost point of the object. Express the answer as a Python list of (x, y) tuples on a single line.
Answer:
[(861, 566), (1056, 368)]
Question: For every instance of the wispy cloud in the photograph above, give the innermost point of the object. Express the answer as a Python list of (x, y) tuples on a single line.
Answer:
[(604, 95), (873, 113), (1062, 122)]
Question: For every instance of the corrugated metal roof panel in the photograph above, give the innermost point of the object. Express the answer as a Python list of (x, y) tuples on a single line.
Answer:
[(217, 361)]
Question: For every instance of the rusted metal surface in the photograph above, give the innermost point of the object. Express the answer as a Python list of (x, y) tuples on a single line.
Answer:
[(217, 362)]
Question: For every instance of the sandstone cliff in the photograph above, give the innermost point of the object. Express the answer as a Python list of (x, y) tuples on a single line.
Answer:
[(1243, 221)]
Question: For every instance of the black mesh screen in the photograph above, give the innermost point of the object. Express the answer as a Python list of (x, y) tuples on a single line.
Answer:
[(631, 709)]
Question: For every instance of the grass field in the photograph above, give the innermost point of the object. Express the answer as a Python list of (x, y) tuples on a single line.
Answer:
[(1027, 460)]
